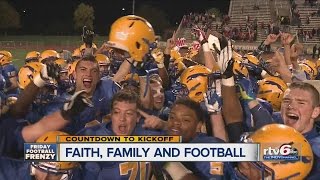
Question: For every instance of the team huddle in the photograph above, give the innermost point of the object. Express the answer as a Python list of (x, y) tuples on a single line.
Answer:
[(130, 86)]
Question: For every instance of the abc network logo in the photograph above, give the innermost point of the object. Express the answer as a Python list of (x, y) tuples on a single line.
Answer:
[(284, 152)]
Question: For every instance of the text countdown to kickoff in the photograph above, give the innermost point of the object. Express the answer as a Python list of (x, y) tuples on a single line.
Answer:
[(158, 152)]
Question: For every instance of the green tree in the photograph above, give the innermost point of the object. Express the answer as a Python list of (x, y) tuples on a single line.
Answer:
[(9, 17), (155, 16), (83, 16), (214, 11)]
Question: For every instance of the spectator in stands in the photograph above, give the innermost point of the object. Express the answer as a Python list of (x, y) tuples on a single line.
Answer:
[(314, 50), (318, 52), (308, 19)]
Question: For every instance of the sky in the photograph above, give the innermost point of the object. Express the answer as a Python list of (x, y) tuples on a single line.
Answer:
[(39, 14)]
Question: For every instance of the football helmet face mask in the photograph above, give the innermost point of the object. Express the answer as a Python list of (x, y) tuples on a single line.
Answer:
[(64, 169), (277, 135), (132, 34), (104, 64), (180, 90), (76, 55), (176, 67), (71, 70), (64, 82), (5, 58)]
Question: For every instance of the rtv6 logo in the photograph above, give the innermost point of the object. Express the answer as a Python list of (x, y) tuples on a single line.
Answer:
[(284, 152)]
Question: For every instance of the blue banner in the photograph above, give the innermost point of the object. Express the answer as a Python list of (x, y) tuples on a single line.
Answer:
[(40, 152)]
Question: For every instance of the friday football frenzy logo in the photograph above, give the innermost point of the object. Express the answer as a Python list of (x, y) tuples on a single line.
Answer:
[(282, 152)]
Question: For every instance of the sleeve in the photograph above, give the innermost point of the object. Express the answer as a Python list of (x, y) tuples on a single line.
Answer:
[(11, 140), (10, 71), (260, 116), (13, 169), (234, 130)]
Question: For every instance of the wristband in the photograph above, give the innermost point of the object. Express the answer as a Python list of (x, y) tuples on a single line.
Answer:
[(263, 73), (228, 82), (205, 47), (176, 170), (38, 81)]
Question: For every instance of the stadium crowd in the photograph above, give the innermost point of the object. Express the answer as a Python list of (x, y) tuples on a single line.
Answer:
[(129, 86)]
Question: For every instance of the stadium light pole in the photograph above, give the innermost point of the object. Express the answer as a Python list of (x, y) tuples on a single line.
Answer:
[(133, 4)]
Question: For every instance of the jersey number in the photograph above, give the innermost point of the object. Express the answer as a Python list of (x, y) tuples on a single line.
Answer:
[(134, 167), (216, 168)]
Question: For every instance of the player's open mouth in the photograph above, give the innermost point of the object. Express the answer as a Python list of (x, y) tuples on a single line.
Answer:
[(123, 129), (87, 82), (175, 131), (292, 116)]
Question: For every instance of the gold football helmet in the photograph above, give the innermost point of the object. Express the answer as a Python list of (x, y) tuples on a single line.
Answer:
[(275, 136), (310, 69), (132, 34), (5, 57), (48, 55), (195, 78), (27, 73), (58, 168), (32, 56), (272, 89)]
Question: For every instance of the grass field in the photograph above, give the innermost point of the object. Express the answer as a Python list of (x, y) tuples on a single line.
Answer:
[(19, 46)]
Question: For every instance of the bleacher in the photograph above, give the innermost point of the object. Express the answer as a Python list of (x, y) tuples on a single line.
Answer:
[(268, 11), (307, 10), (241, 8)]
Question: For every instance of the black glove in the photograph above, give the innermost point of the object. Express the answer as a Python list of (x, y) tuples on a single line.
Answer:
[(87, 35), (53, 70), (228, 73), (75, 105), (48, 72)]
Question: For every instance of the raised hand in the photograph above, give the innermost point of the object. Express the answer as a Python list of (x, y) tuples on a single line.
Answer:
[(225, 61), (151, 121), (286, 38), (75, 105), (212, 101), (87, 35), (271, 38), (246, 89), (157, 55), (48, 72)]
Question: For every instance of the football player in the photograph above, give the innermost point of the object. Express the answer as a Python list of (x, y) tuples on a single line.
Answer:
[(10, 73)]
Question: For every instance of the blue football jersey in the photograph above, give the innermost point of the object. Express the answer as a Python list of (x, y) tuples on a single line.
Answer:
[(11, 140), (206, 170), (8, 72), (313, 138), (113, 170), (102, 103), (38, 111), (12, 169)]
